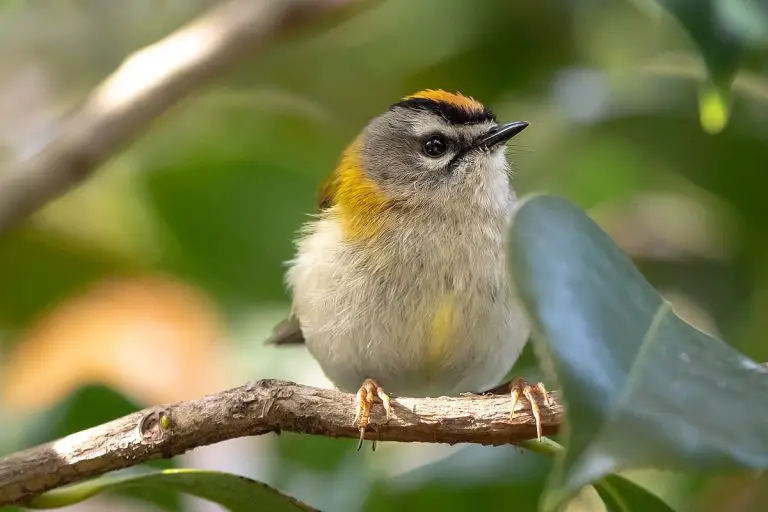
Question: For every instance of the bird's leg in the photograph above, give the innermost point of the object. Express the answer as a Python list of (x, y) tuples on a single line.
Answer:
[(520, 387), (363, 403)]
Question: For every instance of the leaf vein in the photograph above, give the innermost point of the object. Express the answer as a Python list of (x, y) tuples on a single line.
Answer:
[(664, 308)]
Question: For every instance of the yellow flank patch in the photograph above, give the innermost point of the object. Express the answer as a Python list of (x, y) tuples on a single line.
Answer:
[(445, 323), (456, 99), (356, 200)]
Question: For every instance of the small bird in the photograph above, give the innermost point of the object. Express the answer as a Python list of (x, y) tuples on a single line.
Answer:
[(400, 282)]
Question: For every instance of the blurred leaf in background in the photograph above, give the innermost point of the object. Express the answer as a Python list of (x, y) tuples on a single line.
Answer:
[(235, 493), (158, 279)]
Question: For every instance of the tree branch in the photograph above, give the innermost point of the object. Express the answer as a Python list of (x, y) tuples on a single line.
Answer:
[(147, 84), (256, 409)]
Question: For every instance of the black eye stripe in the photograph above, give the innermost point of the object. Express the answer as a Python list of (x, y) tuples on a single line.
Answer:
[(456, 159), (451, 166), (449, 112)]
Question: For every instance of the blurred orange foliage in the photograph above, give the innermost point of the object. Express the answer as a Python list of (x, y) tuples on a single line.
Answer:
[(152, 338)]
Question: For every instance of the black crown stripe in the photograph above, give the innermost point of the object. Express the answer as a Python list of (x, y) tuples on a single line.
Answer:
[(451, 113)]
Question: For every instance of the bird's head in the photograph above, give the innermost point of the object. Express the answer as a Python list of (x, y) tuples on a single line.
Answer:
[(434, 149)]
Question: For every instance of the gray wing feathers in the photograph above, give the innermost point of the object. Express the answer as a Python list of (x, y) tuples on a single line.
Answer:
[(287, 332)]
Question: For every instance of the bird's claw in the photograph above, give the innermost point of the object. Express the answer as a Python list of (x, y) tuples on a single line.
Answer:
[(519, 387), (363, 403)]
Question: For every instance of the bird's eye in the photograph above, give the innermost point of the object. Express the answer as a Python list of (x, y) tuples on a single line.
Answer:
[(435, 146)]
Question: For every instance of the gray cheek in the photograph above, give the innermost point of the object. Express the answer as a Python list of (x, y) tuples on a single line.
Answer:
[(431, 174), (388, 154), (402, 171), (385, 162)]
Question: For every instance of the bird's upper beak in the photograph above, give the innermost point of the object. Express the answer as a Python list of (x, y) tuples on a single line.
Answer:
[(501, 134)]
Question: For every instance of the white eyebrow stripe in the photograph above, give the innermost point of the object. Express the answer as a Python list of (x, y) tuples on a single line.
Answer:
[(424, 125), (427, 123)]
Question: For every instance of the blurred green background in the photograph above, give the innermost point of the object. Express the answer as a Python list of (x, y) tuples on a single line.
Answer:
[(159, 279)]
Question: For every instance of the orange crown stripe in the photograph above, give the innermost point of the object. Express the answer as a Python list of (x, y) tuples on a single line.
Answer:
[(455, 99)]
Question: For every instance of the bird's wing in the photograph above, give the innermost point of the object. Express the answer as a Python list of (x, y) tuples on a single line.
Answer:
[(287, 332)]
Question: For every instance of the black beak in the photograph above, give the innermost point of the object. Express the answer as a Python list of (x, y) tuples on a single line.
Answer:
[(501, 133)]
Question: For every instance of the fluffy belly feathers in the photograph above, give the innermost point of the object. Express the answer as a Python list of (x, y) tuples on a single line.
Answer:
[(421, 323)]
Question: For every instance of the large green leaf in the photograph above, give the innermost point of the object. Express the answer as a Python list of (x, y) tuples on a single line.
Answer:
[(642, 388), (721, 47), (236, 493)]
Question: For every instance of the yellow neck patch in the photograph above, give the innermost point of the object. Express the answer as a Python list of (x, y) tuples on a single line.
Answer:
[(455, 99), (357, 201)]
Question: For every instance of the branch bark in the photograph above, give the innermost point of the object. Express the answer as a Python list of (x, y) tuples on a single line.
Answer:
[(255, 409), (147, 84)]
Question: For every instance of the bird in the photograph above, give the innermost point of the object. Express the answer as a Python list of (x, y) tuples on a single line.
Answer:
[(399, 282)]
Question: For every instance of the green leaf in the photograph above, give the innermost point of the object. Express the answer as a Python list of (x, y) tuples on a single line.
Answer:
[(323, 454), (236, 493), (618, 493), (643, 389), (472, 478), (86, 407), (714, 108), (748, 18), (720, 49), (235, 248), (622, 495)]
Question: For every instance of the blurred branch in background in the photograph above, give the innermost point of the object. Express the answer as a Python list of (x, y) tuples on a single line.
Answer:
[(255, 409), (146, 85)]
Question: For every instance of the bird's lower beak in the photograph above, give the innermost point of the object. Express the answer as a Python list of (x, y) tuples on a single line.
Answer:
[(501, 134)]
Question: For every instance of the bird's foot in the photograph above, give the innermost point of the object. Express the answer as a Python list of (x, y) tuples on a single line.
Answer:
[(363, 403), (533, 394)]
